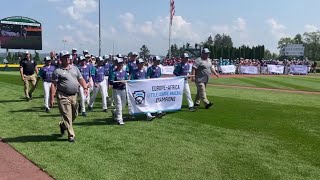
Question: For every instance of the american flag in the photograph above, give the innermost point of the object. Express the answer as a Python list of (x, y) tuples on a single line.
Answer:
[(172, 10)]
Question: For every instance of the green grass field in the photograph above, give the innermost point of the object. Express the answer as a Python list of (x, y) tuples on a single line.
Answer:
[(249, 134)]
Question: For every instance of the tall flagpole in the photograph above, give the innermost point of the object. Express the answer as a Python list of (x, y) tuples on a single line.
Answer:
[(99, 29), (170, 24)]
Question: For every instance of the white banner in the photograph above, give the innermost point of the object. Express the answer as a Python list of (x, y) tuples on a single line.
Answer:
[(279, 69), (167, 70), (228, 69), (249, 69), (294, 50), (153, 95), (298, 69)]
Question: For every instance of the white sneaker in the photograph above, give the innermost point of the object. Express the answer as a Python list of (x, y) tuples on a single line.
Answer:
[(120, 123), (150, 118)]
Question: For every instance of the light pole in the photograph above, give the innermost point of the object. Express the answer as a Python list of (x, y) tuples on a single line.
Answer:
[(99, 29)]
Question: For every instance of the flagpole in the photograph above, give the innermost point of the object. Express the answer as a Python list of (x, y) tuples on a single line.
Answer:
[(170, 24)]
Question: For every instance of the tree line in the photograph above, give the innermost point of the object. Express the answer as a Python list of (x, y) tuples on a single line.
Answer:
[(310, 40)]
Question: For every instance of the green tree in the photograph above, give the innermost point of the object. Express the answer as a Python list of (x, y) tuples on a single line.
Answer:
[(283, 42), (312, 44), (9, 58), (298, 39), (144, 52), (37, 58)]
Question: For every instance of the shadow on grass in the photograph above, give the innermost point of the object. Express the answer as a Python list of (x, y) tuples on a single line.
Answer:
[(13, 100), (34, 109), (34, 138)]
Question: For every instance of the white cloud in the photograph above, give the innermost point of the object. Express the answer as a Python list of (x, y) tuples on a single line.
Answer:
[(67, 27), (276, 29), (127, 20), (240, 25), (80, 8), (311, 28)]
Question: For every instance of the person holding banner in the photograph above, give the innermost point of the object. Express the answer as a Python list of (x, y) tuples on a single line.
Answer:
[(141, 73), (202, 69), (182, 69), (154, 71), (119, 90)]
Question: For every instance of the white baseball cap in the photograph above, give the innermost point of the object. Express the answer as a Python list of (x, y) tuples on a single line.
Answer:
[(156, 58), (205, 51), (74, 49), (140, 60), (119, 60), (134, 54), (64, 53), (26, 52), (82, 58), (47, 58)]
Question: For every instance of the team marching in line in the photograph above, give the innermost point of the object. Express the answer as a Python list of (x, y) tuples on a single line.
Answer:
[(68, 75)]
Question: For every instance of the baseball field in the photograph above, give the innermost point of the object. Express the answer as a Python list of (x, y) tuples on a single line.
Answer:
[(254, 131)]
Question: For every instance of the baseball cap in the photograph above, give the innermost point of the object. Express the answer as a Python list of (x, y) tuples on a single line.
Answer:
[(134, 54), (156, 58), (119, 56), (119, 60), (82, 58), (99, 58), (74, 49), (205, 50), (185, 55), (26, 52), (47, 58), (64, 53), (140, 60), (87, 56), (85, 51)]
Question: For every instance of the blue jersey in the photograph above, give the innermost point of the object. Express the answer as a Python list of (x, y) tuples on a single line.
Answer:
[(118, 76), (154, 72), (99, 73), (139, 74), (107, 67), (46, 73), (86, 72), (182, 69), (131, 67)]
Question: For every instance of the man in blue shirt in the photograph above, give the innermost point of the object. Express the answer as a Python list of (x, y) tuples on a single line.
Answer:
[(46, 74), (183, 69), (119, 90)]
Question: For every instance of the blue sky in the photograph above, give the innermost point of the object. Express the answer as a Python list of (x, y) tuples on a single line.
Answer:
[(131, 23)]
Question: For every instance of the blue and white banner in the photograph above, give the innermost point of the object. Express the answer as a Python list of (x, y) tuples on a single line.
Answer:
[(153, 95), (249, 69), (278, 69), (298, 69), (228, 69)]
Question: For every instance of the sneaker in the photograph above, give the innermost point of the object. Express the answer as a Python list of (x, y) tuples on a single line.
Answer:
[(209, 105), (121, 123), (72, 140), (90, 108), (150, 118), (61, 129), (196, 105), (192, 109), (84, 114), (47, 110), (105, 110), (160, 115), (27, 98), (131, 117)]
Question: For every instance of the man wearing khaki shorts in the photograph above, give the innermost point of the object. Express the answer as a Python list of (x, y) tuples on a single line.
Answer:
[(27, 69), (66, 81), (202, 69)]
